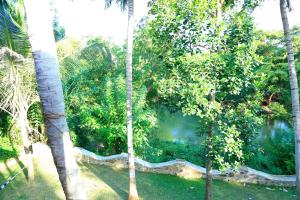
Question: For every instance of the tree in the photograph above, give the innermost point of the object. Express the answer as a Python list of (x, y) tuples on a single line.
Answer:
[(17, 95), (206, 65), (39, 27), (133, 194), (274, 71), (284, 4), (17, 87)]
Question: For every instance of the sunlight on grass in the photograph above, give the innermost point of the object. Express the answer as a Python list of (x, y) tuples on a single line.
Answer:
[(103, 182)]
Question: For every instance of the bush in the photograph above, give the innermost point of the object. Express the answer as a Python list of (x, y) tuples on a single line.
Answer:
[(161, 151), (274, 153), (95, 93)]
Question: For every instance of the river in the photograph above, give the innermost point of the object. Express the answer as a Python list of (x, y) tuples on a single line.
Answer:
[(175, 127)]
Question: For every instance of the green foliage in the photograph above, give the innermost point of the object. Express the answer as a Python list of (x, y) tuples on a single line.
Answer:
[(96, 95), (275, 153), (36, 122), (16, 78), (228, 147), (7, 148), (59, 31), (220, 70), (197, 56), (8, 145), (5, 121), (279, 112), (68, 47), (275, 84), (12, 27), (161, 151)]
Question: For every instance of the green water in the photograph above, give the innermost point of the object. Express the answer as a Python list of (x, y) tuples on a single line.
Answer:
[(278, 130), (175, 127)]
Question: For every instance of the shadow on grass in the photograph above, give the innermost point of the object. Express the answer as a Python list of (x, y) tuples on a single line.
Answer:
[(116, 180), (19, 188), (5, 156), (150, 185), (167, 187), (6, 159)]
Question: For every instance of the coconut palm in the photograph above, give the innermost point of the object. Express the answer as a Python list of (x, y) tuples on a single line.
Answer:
[(16, 88), (39, 27), (17, 95), (133, 194), (284, 5)]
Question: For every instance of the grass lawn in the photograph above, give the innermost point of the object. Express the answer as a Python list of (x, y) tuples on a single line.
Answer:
[(7, 150), (106, 183)]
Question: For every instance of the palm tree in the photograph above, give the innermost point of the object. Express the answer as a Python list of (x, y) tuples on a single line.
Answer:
[(133, 194), (284, 4), (39, 27), (17, 95), (17, 88)]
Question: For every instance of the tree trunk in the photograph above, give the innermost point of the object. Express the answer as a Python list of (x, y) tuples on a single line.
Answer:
[(208, 187), (294, 90), (39, 25), (133, 194), (22, 120)]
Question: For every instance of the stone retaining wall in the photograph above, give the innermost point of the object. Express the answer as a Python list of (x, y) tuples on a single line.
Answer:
[(180, 168)]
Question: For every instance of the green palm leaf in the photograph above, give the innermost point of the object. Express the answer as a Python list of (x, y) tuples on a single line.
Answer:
[(12, 33)]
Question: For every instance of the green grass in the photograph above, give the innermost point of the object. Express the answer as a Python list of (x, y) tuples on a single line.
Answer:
[(7, 150), (106, 183)]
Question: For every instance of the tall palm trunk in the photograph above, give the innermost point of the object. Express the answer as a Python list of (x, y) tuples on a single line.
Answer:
[(43, 48), (294, 89), (133, 194), (23, 124)]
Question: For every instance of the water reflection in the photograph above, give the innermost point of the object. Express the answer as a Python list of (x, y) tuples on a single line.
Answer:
[(175, 127), (278, 129)]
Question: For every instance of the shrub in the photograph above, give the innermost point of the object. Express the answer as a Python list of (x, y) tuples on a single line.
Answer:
[(274, 153)]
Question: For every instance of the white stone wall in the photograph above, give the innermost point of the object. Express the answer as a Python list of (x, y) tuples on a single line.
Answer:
[(177, 167)]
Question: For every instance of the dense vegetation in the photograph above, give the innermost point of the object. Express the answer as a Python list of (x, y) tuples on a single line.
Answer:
[(94, 85), (196, 62)]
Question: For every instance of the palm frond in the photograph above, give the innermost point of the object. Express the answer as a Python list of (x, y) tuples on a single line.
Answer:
[(17, 85), (12, 33), (121, 3)]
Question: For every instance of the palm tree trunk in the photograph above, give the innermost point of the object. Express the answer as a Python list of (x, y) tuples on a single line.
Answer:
[(133, 194), (39, 25), (22, 120), (294, 90)]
